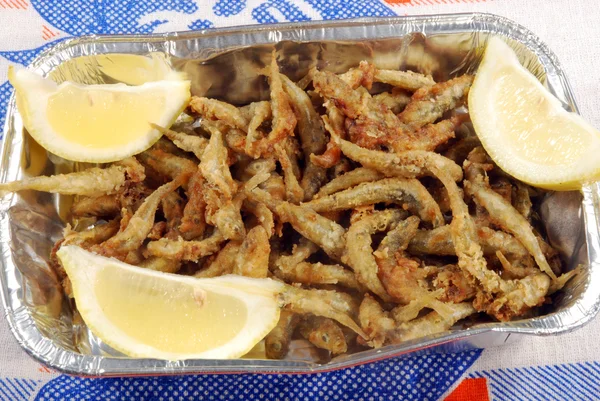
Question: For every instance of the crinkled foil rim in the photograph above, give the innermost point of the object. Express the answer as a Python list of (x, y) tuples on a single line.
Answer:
[(584, 299)]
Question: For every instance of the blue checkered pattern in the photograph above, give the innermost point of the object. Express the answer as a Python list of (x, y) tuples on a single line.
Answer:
[(423, 378)]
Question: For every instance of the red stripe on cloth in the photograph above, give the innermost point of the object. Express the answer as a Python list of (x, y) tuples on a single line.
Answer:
[(23, 4), (470, 390), (44, 369), (48, 32)]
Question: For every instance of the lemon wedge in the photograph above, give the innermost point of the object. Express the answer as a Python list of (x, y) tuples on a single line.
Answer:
[(525, 129), (96, 123), (150, 314)]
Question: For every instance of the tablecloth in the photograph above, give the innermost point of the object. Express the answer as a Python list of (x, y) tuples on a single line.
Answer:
[(564, 367)]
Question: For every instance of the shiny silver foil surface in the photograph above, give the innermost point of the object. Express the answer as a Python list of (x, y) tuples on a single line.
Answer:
[(226, 64)]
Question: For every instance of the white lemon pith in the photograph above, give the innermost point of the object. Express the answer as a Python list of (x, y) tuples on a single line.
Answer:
[(149, 314), (96, 123), (525, 129)]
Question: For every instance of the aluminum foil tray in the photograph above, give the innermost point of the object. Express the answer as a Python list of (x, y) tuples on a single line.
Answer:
[(225, 63)]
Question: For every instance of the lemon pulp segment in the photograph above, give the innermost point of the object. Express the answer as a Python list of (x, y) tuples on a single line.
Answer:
[(135, 69), (532, 125), (148, 312), (83, 115)]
